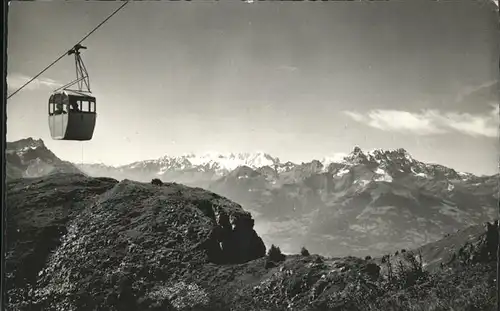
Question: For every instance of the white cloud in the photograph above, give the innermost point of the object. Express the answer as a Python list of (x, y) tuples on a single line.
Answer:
[(15, 81), (355, 116), (396, 120), (288, 68), (430, 122)]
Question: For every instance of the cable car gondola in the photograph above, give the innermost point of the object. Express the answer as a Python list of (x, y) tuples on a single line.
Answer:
[(72, 113)]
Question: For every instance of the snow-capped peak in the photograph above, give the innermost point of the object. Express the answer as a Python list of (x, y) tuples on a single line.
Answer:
[(378, 156), (400, 155), (217, 161), (31, 158), (396, 163), (25, 144), (231, 161), (334, 158)]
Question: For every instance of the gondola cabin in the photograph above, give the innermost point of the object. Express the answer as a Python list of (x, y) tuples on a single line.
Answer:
[(72, 116)]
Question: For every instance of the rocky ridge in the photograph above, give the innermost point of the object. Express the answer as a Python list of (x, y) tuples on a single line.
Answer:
[(75, 239)]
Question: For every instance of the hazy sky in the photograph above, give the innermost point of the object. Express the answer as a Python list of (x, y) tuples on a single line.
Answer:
[(299, 80)]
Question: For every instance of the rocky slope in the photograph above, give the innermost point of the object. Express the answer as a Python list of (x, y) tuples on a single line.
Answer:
[(87, 243), (80, 243), (31, 158)]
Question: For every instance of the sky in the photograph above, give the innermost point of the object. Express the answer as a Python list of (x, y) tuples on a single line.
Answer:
[(298, 80)]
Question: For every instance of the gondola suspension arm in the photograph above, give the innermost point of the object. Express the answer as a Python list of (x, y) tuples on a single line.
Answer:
[(82, 76)]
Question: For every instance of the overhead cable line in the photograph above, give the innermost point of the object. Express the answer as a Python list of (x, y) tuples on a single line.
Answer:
[(66, 52)]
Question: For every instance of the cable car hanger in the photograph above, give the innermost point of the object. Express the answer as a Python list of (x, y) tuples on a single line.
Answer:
[(82, 75)]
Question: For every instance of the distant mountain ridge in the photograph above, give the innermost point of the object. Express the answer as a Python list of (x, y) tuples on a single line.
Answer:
[(210, 166), (27, 158), (186, 168)]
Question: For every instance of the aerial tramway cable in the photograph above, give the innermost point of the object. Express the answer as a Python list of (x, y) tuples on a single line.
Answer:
[(66, 52)]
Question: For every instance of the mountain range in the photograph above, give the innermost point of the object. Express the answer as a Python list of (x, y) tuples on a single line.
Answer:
[(31, 158), (359, 204)]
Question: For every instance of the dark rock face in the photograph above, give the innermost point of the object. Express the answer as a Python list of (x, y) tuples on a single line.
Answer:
[(156, 182), (481, 250), (94, 243), (242, 243)]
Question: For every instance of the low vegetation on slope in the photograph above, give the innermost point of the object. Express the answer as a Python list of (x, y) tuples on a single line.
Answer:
[(79, 243), (38, 213)]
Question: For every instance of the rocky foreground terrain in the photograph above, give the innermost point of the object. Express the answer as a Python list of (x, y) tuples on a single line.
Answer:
[(81, 243)]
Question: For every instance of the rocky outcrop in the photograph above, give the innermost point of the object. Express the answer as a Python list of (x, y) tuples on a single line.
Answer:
[(480, 250), (90, 243)]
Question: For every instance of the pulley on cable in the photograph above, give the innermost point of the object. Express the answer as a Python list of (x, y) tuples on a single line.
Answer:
[(72, 113)]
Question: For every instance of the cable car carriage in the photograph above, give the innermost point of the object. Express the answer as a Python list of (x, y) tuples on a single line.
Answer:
[(72, 116), (72, 113)]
